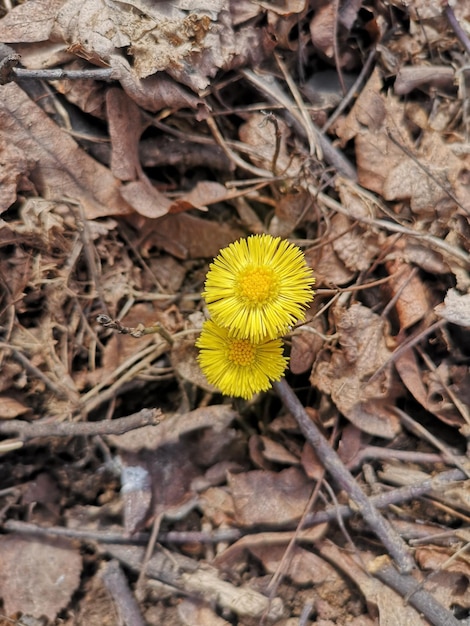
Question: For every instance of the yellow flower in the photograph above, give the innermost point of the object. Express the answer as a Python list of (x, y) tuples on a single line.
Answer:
[(239, 367), (258, 287)]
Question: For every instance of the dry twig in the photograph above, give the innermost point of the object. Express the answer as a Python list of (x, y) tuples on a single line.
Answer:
[(30, 430), (333, 464)]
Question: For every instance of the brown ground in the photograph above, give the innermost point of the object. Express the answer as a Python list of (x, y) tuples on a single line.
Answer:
[(342, 126)]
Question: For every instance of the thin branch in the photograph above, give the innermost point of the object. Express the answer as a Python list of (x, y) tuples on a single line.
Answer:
[(333, 464), (19, 73), (351, 93), (118, 426), (408, 587), (458, 30), (394, 496), (117, 585), (420, 431)]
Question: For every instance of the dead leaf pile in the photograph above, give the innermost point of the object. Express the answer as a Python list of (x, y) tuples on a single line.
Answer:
[(139, 138)]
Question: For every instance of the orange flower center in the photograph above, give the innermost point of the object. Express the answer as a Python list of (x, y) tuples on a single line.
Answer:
[(258, 284), (241, 352)]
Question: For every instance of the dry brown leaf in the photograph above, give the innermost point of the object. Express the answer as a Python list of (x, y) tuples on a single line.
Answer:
[(190, 45), (311, 464), (155, 92), (410, 293), (407, 367), (186, 236), (392, 610), (10, 408), (306, 345), (29, 22), (216, 417), (217, 505), (204, 193), (303, 567), (15, 167), (356, 247), (277, 453), (328, 267), (194, 613), (157, 483), (383, 145), (260, 134), (37, 577), (291, 209), (62, 169), (145, 198), (456, 308), (262, 497), (345, 373), (322, 29), (125, 126)]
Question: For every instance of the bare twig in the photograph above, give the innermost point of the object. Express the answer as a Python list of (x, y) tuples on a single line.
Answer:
[(137, 332), (58, 391), (117, 585), (420, 431), (458, 30), (394, 496), (274, 93), (406, 345), (435, 242), (408, 587), (118, 426), (333, 464), (351, 93), (19, 73)]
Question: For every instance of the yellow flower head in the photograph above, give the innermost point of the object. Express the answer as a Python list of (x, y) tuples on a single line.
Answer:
[(259, 286), (237, 366)]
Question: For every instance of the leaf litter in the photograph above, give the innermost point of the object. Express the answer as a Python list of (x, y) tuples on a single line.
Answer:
[(116, 193)]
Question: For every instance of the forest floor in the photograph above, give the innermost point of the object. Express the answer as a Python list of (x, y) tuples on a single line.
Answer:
[(140, 138)]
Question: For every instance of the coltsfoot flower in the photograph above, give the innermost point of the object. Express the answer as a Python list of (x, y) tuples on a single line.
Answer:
[(258, 287), (239, 367)]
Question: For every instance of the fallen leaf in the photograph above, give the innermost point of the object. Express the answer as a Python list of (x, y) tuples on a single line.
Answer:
[(188, 237), (194, 613), (456, 308), (125, 125), (262, 497), (10, 408), (145, 198), (408, 291), (303, 567), (38, 577), (344, 374), (61, 167), (29, 23)]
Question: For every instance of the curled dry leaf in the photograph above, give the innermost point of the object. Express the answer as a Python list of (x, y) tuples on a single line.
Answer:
[(345, 373), (456, 308), (412, 300), (388, 161), (125, 124)]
